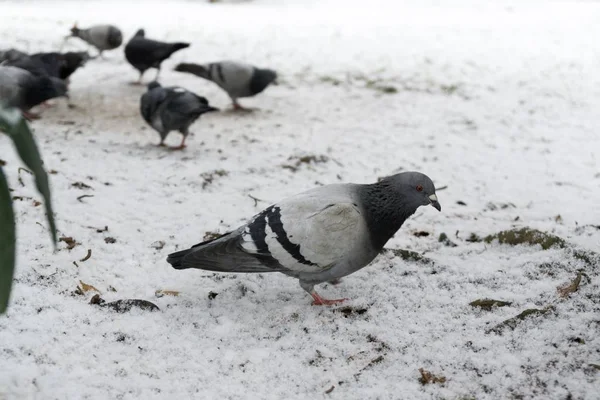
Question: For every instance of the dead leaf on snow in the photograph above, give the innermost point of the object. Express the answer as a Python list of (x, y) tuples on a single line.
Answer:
[(84, 287), (161, 293), (566, 290), (427, 377), (70, 242)]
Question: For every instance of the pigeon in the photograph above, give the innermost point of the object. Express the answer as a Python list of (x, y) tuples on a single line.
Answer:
[(22, 89), (11, 55), (144, 53), (172, 108), (236, 78), (55, 65), (102, 37), (319, 235)]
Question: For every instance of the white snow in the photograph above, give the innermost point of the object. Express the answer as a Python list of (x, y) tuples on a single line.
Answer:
[(496, 100)]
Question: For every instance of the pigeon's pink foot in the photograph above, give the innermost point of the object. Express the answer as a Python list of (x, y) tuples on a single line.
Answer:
[(238, 107), (29, 116), (180, 147), (319, 301)]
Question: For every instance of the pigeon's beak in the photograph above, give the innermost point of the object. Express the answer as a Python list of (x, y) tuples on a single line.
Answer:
[(433, 200), (210, 108)]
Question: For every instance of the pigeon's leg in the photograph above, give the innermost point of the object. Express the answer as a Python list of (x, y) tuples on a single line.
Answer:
[(29, 115), (139, 81), (182, 145), (238, 107), (318, 300)]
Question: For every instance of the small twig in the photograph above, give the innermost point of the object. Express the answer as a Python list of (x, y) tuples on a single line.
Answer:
[(19, 174), (441, 188), (75, 263), (83, 197), (256, 200), (87, 256)]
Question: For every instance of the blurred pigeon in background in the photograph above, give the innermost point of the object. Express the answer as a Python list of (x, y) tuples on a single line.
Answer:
[(172, 108), (22, 89), (11, 55), (102, 37), (236, 78), (55, 65), (144, 53), (317, 236)]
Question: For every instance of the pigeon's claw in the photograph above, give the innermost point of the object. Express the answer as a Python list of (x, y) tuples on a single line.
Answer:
[(29, 116), (319, 301)]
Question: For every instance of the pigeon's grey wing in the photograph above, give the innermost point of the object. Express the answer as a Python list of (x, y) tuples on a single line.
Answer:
[(13, 82), (182, 109), (308, 233), (224, 254), (233, 77), (151, 101), (105, 37), (9, 91)]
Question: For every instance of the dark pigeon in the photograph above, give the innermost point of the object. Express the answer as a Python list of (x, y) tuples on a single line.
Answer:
[(173, 108), (317, 236), (24, 90), (236, 78), (56, 65), (11, 55), (102, 37), (144, 54)]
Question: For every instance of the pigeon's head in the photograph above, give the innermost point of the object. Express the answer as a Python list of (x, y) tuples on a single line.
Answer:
[(75, 30), (153, 85), (415, 188), (140, 33)]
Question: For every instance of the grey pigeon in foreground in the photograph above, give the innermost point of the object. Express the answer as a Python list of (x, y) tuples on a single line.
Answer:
[(236, 78), (24, 90), (102, 37), (168, 109), (144, 54), (317, 236)]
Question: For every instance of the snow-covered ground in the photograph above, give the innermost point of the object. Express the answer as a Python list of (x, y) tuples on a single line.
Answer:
[(498, 101)]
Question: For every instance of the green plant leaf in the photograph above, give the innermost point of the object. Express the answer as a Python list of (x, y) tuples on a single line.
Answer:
[(7, 243), (15, 126)]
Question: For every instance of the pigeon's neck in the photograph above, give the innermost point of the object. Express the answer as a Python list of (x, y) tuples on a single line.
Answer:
[(82, 34), (386, 210)]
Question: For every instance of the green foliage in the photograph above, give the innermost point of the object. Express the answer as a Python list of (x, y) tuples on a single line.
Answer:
[(13, 124)]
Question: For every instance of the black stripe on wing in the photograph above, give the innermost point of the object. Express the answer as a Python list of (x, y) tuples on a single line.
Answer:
[(274, 218), (220, 72), (258, 233)]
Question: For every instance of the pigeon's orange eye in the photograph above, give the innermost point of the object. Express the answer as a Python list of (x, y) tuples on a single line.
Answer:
[(419, 188)]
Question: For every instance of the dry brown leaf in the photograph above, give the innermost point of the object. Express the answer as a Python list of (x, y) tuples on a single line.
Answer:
[(566, 290), (161, 293), (427, 377), (69, 241), (86, 288)]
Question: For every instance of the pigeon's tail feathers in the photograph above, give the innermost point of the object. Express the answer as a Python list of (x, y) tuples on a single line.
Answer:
[(178, 46), (115, 37), (223, 254), (195, 69), (175, 259)]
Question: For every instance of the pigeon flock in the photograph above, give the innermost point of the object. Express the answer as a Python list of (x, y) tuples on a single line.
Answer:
[(30, 80), (317, 236)]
